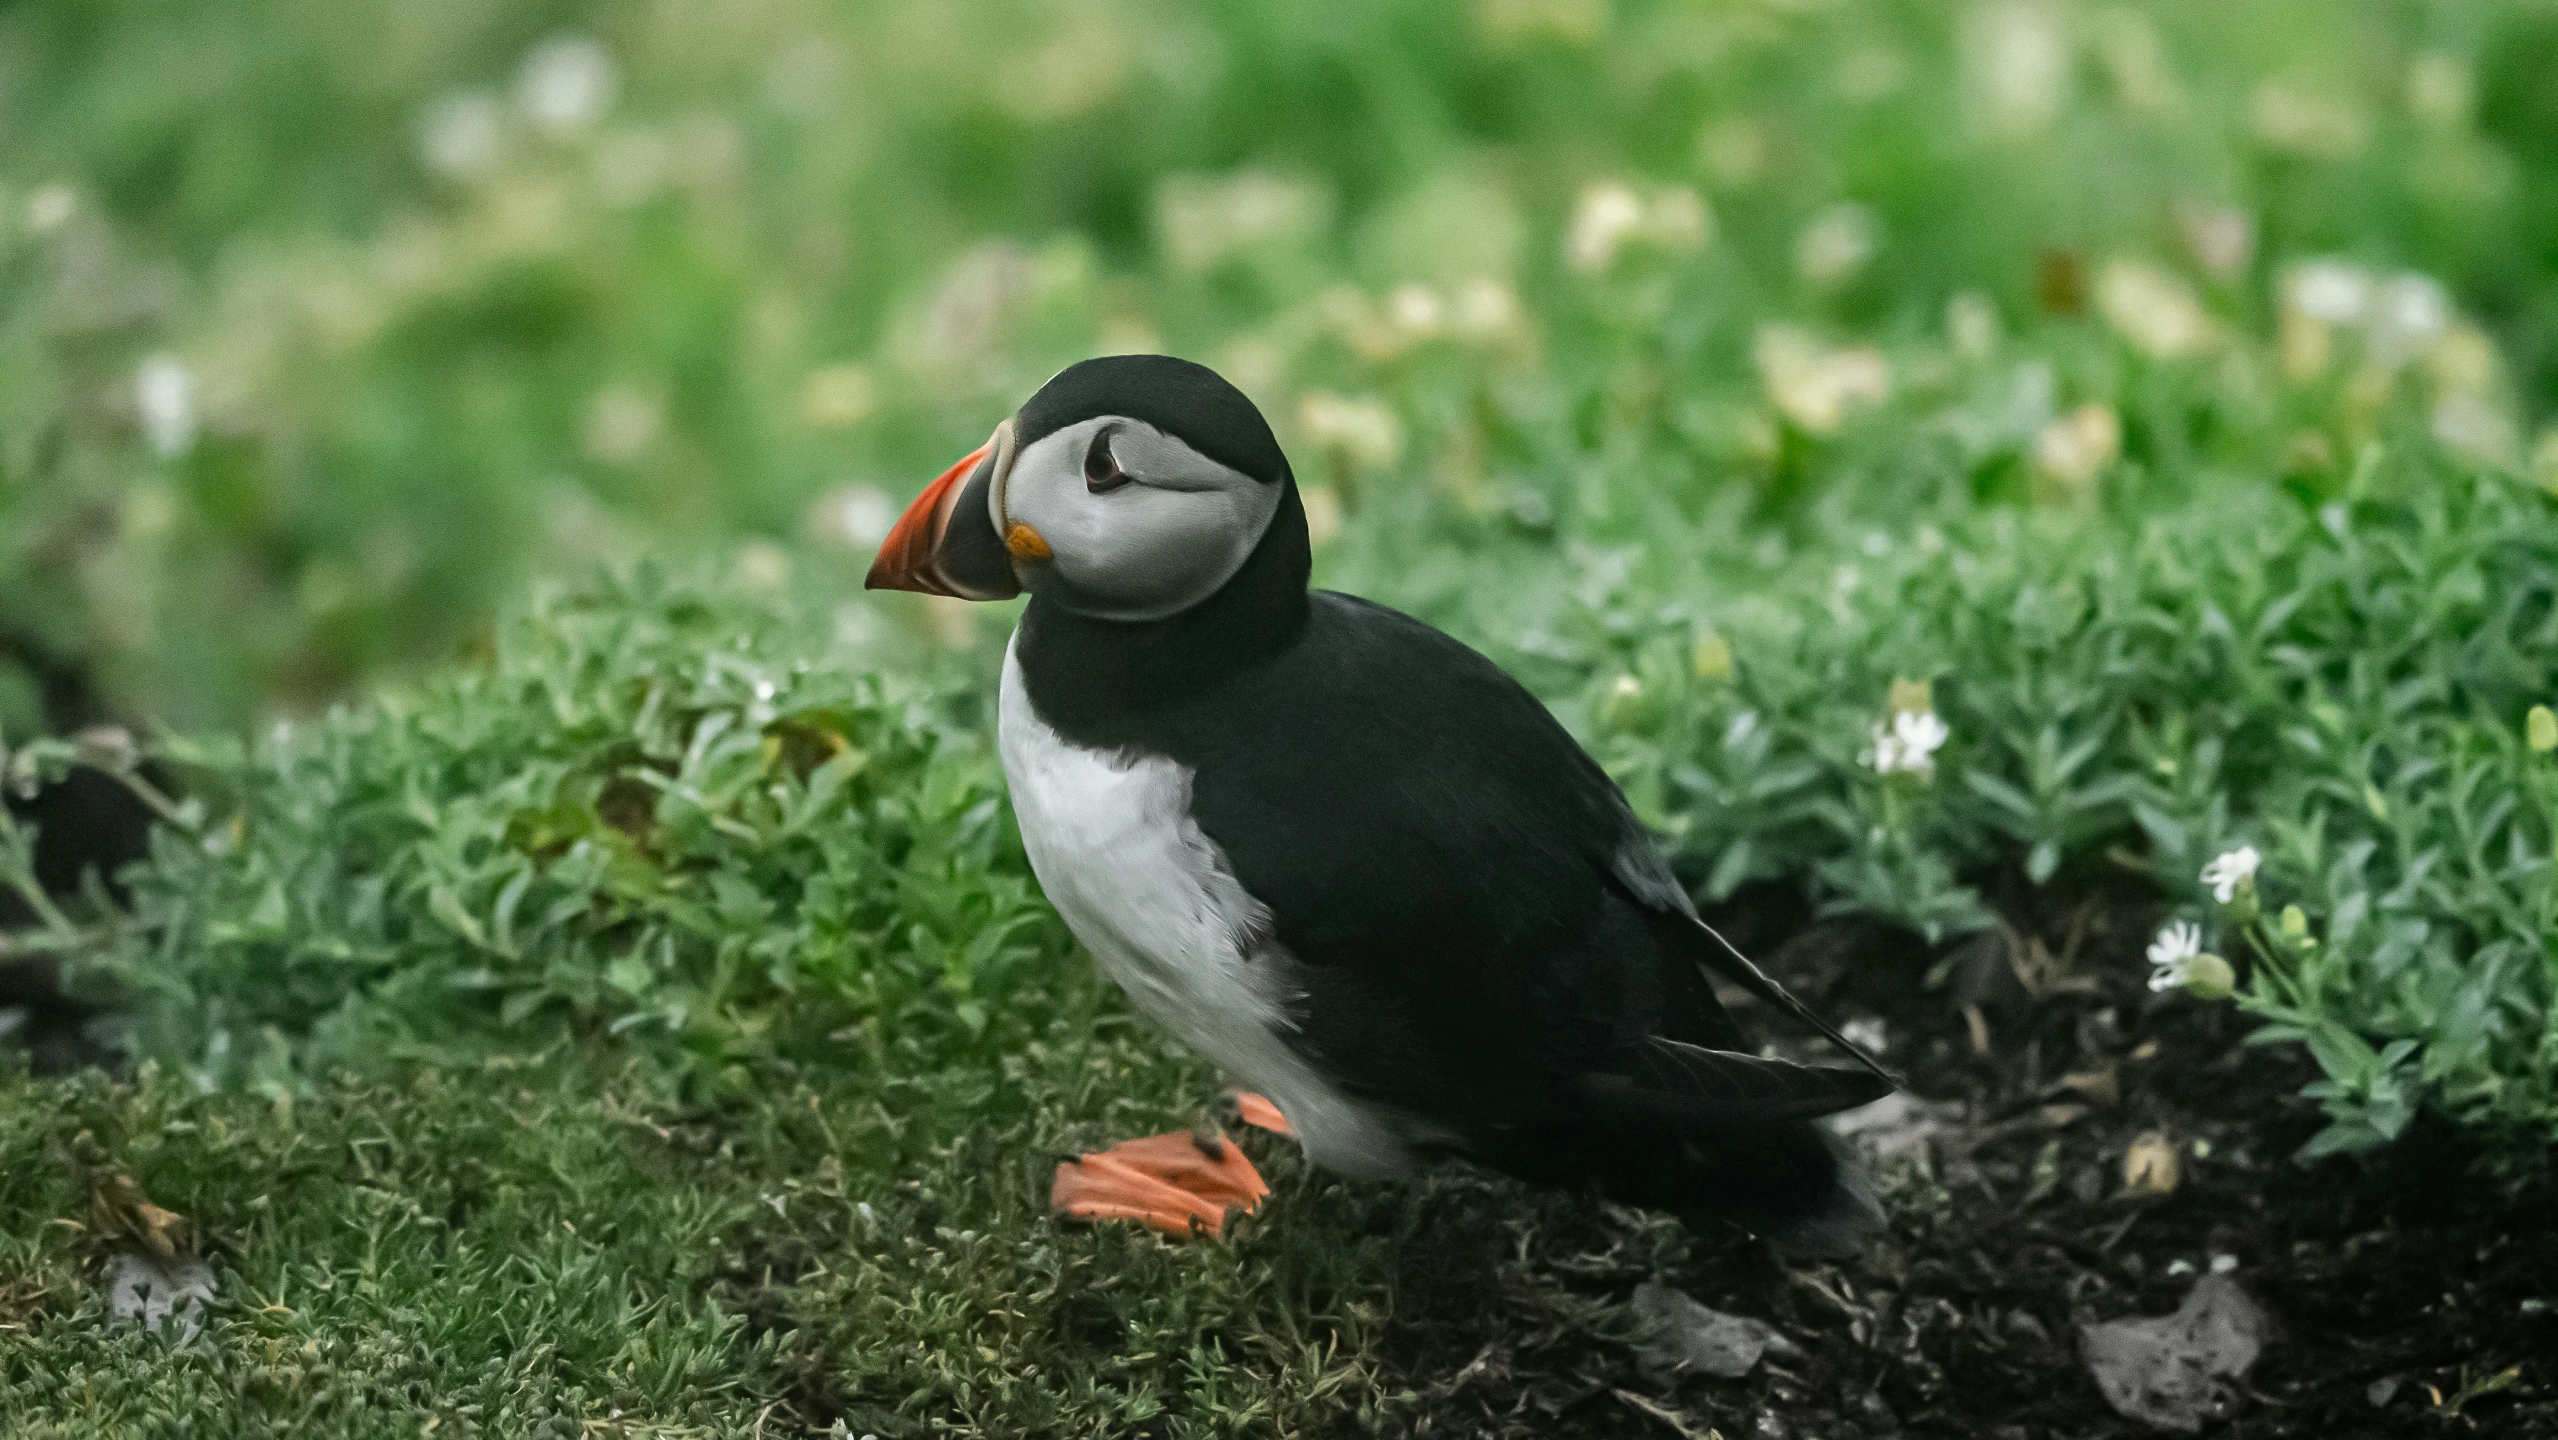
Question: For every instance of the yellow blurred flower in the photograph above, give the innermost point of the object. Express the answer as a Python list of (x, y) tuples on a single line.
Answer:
[(1323, 514), (1836, 244), (2439, 90), (623, 423), (2298, 116), (2078, 446), (2153, 309), (1813, 385), (2016, 62), (2544, 460), (2220, 239), (837, 396), (1734, 151), (1611, 216), (1576, 22), (1971, 323), (1365, 433), (1202, 220)]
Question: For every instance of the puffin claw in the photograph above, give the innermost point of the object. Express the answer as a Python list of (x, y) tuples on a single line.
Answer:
[(1180, 1183), (1257, 1111)]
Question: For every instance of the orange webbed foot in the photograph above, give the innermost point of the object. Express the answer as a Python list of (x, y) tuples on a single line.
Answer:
[(1258, 1112), (1182, 1183)]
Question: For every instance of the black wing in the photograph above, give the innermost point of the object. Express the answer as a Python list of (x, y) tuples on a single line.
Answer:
[(1484, 934)]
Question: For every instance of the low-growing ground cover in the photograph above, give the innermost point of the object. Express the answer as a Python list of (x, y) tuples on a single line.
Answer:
[(2038, 504), (665, 872)]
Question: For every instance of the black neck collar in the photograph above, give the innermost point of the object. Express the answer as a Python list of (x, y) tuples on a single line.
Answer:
[(1111, 684)]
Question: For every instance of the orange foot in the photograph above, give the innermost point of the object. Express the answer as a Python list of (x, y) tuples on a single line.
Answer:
[(1259, 1112), (1182, 1183)]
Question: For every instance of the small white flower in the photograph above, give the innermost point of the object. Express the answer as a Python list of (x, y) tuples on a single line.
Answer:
[(857, 517), (2171, 955), (1837, 244), (2331, 291), (1909, 744), (164, 394), (1610, 214), (2228, 872), (462, 137), (1814, 385), (566, 82)]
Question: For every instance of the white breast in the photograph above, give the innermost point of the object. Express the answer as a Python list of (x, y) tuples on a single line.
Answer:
[(1154, 900)]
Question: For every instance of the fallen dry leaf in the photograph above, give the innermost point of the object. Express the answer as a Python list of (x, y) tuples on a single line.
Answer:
[(117, 1208), (1691, 1339), (2174, 1371)]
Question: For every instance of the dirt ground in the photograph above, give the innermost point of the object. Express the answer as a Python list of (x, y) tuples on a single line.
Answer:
[(2412, 1294)]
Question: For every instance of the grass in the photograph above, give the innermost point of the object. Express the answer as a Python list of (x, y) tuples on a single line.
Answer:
[(2148, 395)]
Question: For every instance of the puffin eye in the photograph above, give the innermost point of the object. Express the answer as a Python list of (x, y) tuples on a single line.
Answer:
[(1101, 469)]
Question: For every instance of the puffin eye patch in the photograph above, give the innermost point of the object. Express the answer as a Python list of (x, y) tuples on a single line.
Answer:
[(1101, 468)]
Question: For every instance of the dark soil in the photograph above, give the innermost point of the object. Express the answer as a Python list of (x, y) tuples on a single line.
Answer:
[(2413, 1293)]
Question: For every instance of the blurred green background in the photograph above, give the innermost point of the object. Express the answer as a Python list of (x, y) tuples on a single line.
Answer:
[(324, 326)]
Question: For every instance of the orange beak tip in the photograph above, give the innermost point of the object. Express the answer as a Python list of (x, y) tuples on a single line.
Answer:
[(905, 560)]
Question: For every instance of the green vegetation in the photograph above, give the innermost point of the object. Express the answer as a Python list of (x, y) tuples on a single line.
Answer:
[(1911, 446)]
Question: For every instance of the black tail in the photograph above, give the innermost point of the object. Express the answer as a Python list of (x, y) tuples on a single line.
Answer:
[(1796, 1184)]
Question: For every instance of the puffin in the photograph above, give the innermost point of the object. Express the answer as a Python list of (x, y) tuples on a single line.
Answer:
[(1340, 854)]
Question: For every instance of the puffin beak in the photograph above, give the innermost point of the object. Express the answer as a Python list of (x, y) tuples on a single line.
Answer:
[(946, 542)]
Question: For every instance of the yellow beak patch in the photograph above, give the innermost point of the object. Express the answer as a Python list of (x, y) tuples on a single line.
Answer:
[(1025, 543)]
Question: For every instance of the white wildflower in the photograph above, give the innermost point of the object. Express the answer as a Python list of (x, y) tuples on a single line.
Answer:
[(1971, 322), (50, 207), (1611, 215), (1416, 310), (1485, 310), (2472, 425), (461, 136), (2017, 60), (1815, 386), (2332, 291), (2409, 312), (857, 517), (2221, 240), (164, 395), (1606, 215), (1836, 244), (2230, 871), (2171, 955), (1203, 220), (1908, 745), (565, 83)]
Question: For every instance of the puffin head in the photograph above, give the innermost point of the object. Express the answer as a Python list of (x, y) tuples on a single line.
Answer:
[(1130, 488)]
